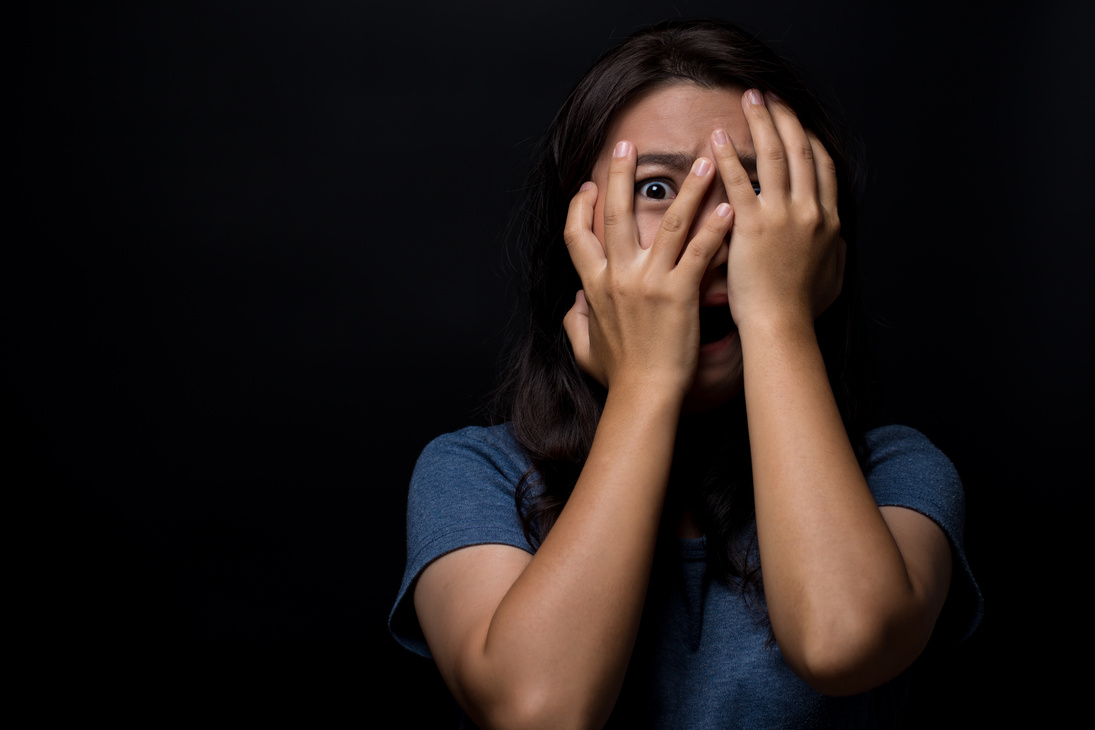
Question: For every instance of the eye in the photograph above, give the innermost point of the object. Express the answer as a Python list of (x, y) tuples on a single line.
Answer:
[(756, 188), (655, 190)]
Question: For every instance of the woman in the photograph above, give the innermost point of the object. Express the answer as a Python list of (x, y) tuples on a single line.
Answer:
[(683, 522)]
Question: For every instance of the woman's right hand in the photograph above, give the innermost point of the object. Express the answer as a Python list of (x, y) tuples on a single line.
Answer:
[(636, 320), (544, 640)]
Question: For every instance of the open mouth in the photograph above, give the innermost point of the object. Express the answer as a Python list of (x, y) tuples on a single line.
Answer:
[(715, 323)]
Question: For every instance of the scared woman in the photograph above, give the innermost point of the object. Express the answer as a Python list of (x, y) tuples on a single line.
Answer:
[(684, 520)]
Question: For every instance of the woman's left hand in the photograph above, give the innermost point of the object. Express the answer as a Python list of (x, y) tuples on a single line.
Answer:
[(852, 593), (786, 253)]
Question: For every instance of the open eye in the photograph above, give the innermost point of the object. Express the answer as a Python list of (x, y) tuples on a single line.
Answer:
[(655, 190), (756, 188)]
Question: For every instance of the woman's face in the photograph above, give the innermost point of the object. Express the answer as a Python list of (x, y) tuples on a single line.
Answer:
[(670, 127)]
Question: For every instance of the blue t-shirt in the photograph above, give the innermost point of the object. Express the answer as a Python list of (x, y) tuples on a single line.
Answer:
[(703, 658)]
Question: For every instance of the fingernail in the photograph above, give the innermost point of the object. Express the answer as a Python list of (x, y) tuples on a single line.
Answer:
[(755, 97), (723, 210), (701, 167), (720, 137), (773, 96), (622, 148), (585, 186)]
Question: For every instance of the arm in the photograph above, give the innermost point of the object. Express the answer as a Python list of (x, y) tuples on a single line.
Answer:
[(853, 591), (545, 640)]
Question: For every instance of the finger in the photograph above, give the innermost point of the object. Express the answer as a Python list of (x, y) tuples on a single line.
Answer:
[(677, 221), (735, 178), (576, 326), (584, 248), (705, 244), (581, 306), (825, 171), (771, 155), (798, 148), (620, 234)]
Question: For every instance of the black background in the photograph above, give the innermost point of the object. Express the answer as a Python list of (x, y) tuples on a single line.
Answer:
[(256, 263)]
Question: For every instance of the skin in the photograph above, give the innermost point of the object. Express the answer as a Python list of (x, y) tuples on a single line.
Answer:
[(853, 591)]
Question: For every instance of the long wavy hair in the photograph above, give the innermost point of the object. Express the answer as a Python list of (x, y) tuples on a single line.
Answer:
[(552, 406)]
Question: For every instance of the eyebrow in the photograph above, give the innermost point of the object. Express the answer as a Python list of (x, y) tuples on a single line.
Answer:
[(675, 161), (680, 162)]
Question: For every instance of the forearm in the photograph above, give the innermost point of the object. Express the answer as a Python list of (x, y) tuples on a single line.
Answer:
[(834, 578), (561, 638)]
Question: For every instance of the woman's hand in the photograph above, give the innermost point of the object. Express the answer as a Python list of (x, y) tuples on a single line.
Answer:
[(786, 254), (637, 318), (544, 640), (852, 592)]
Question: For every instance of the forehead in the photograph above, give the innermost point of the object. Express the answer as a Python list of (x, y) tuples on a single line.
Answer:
[(681, 118)]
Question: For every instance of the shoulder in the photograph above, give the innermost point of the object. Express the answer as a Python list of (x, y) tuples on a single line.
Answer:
[(462, 493), (471, 465), (463, 479), (905, 469), (903, 444), (493, 447)]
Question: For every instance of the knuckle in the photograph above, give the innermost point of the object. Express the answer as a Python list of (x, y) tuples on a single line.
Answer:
[(614, 216), (673, 221), (810, 214), (698, 253), (774, 153), (619, 166), (738, 178), (616, 287), (727, 156), (576, 241)]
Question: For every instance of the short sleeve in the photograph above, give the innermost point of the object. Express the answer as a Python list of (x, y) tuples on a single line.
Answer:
[(904, 469), (461, 494)]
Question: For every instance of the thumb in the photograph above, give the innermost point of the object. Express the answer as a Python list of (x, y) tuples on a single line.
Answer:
[(576, 325)]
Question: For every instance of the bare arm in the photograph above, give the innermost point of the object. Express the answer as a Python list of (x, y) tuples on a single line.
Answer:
[(544, 640), (523, 640), (853, 591)]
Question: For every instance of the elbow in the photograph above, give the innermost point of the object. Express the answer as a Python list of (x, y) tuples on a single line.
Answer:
[(519, 696), (829, 670), (534, 705), (523, 709), (532, 713), (848, 655)]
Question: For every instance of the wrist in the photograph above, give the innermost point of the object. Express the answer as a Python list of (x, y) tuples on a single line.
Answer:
[(645, 395), (786, 323)]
